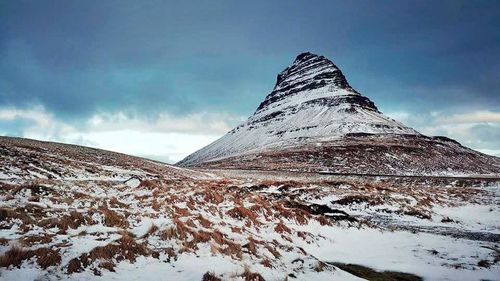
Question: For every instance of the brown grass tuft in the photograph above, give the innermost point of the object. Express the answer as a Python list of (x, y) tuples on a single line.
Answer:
[(232, 249), (108, 265), (281, 227), (235, 229), (113, 219), (251, 276), (46, 257), (115, 203), (218, 237), (251, 246), (14, 256), (125, 248), (273, 251), (148, 184), (34, 239), (267, 263), (152, 230), (241, 213), (6, 214), (323, 220), (182, 212), (156, 205), (74, 265), (210, 276), (168, 233), (203, 221), (213, 197)]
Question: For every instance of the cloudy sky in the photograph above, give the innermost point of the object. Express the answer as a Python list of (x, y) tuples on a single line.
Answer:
[(161, 79)]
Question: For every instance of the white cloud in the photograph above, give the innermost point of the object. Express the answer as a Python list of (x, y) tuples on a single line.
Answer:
[(199, 123), (165, 138), (170, 138), (479, 130), (483, 116)]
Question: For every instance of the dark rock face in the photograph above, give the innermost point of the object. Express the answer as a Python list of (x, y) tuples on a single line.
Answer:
[(308, 72)]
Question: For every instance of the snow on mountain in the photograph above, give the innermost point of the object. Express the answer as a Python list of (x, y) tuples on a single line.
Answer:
[(311, 100), (313, 105)]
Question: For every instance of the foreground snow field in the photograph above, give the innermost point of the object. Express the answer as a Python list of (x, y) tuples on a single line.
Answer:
[(74, 213)]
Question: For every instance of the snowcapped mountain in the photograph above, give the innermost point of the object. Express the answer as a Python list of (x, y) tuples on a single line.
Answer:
[(313, 110)]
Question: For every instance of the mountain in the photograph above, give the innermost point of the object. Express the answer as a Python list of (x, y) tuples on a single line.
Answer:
[(313, 120)]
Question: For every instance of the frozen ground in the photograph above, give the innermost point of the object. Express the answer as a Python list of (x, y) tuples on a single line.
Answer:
[(113, 217)]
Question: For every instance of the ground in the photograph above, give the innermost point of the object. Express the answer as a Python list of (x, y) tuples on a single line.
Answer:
[(99, 215)]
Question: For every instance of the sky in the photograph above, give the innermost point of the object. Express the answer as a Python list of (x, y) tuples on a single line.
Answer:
[(161, 79)]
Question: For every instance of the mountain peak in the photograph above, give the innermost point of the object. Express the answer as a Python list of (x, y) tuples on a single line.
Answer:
[(305, 56), (309, 72)]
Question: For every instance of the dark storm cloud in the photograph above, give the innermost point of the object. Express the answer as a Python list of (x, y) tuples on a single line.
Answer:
[(77, 58)]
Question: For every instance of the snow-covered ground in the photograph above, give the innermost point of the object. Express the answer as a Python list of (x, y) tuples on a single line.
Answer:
[(126, 218)]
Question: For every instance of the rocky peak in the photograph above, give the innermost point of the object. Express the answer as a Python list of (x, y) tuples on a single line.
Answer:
[(308, 72)]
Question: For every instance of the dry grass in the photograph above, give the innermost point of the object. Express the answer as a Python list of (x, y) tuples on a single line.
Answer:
[(323, 220), (152, 230), (203, 221), (201, 236), (241, 213), (108, 265), (180, 231), (8, 214), (149, 184), (168, 233), (232, 249), (14, 256), (113, 219), (126, 248), (115, 203), (210, 276), (211, 196), (34, 188), (73, 220), (191, 204), (267, 263), (181, 212), (273, 251), (46, 257), (251, 246), (190, 223), (281, 228), (235, 229), (156, 205), (414, 212), (294, 214), (34, 239), (248, 275)]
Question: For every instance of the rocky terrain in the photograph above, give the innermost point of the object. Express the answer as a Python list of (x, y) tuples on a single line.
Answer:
[(76, 213), (313, 120)]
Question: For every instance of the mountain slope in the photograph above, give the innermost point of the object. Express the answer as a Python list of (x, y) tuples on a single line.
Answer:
[(314, 120), (26, 159)]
